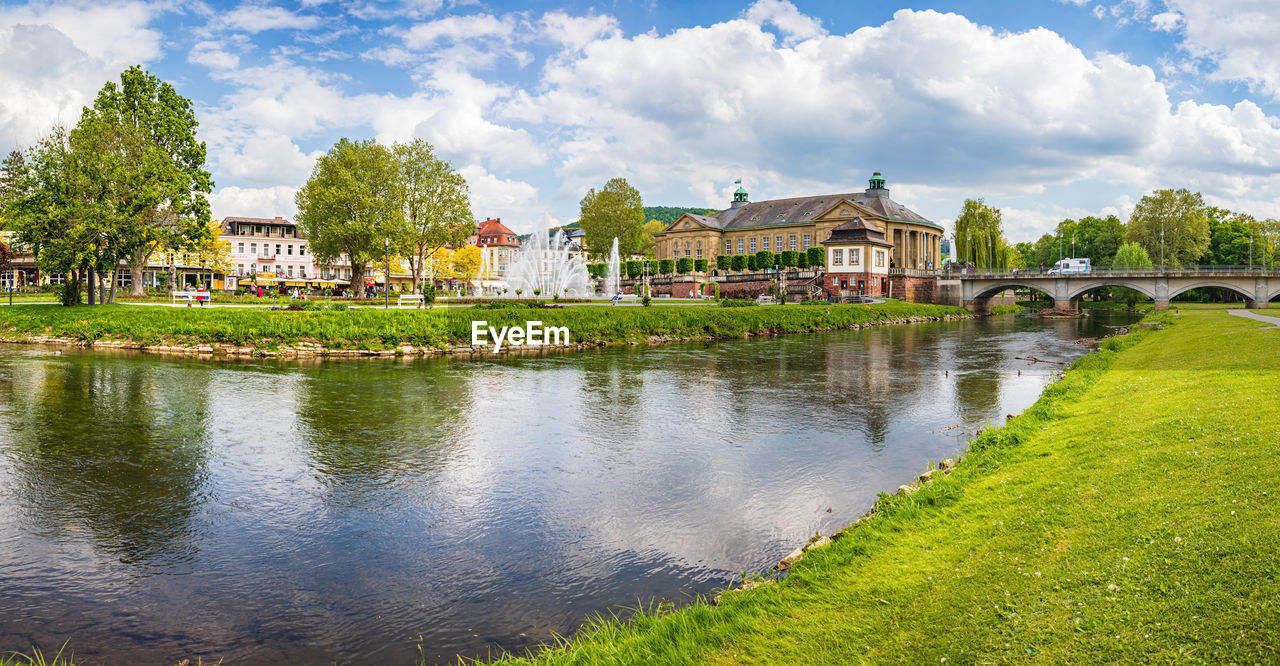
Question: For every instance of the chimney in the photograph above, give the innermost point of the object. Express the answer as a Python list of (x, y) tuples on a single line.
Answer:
[(279, 218)]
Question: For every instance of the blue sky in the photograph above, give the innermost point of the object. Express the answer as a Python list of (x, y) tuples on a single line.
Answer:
[(1047, 110)]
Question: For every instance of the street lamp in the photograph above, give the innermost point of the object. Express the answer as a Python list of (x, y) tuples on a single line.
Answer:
[(386, 284), (1161, 247), (1250, 250)]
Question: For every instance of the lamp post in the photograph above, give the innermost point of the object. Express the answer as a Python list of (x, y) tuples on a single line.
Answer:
[(1161, 247), (1250, 250), (386, 284)]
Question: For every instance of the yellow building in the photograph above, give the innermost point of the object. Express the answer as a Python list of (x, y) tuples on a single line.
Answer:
[(798, 224)]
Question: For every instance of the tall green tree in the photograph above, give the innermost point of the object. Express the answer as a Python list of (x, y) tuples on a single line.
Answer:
[(352, 204), (613, 211), (150, 166), (436, 203), (979, 238), (49, 207), (1172, 222)]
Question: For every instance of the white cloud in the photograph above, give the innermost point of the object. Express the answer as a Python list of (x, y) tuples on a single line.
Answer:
[(255, 17), (459, 28), (55, 57), (786, 18), (929, 98), (515, 201), (254, 201), (1166, 21), (575, 32), (1237, 36)]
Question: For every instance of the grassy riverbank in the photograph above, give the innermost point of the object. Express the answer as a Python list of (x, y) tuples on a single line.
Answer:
[(441, 329), (1128, 516)]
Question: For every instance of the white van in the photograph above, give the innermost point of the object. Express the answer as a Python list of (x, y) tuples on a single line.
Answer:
[(1070, 266)]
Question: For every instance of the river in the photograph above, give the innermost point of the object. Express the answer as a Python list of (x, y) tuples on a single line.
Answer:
[(377, 511)]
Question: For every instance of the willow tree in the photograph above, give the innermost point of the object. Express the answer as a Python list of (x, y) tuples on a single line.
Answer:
[(436, 203), (351, 205), (979, 239)]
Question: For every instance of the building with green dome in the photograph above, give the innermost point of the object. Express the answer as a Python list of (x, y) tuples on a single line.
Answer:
[(777, 225)]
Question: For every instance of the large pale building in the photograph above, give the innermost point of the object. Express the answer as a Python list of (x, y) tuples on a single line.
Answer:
[(798, 224)]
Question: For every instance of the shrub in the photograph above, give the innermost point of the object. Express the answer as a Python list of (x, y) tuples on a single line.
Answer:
[(537, 292), (739, 262), (715, 290), (737, 303), (788, 258), (68, 293), (816, 256), (684, 265), (429, 292), (633, 268), (338, 307), (802, 261), (645, 300), (765, 259), (751, 263), (700, 265), (667, 266)]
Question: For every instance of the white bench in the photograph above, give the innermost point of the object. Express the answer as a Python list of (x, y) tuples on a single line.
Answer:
[(412, 298), (190, 296), (764, 300)]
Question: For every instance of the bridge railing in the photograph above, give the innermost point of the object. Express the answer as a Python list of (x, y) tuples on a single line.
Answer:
[(1113, 271), (914, 272)]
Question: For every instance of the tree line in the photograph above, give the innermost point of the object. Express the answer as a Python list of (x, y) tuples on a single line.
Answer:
[(1170, 226), (128, 183)]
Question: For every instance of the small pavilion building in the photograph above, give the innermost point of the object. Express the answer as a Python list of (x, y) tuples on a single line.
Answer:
[(857, 260)]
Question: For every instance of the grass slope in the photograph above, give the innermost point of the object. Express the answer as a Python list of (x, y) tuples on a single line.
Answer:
[(1130, 515), (441, 329)]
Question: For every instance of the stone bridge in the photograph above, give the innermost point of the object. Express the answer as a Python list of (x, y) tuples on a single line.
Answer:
[(1257, 287)]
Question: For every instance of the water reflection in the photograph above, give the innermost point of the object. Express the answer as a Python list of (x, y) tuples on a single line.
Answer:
[(273, 511), (114, 456)]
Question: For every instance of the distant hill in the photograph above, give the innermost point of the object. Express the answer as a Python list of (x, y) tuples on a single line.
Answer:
[(669, 214)]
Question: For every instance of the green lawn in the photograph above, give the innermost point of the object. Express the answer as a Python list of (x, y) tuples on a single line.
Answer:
[(442, 328), (1129, 516)]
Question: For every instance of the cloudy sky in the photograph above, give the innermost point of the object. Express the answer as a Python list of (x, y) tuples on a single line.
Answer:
[(1050, 109)]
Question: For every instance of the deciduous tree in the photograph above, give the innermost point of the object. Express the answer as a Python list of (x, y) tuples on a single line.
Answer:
[(351, 205), (149, 165), (436, 202), (1177, 216), (614, 211)]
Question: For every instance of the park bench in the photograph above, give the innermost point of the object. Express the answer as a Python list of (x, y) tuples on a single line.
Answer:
[(192, 296), (765, 300), (410, 298)]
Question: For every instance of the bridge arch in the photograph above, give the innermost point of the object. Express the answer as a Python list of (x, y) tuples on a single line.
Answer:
[(1221, 285), (1005, 286), (1144, 290)]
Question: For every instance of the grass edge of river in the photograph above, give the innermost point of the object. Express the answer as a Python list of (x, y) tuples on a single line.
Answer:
[(811, 616), (254, 332)]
